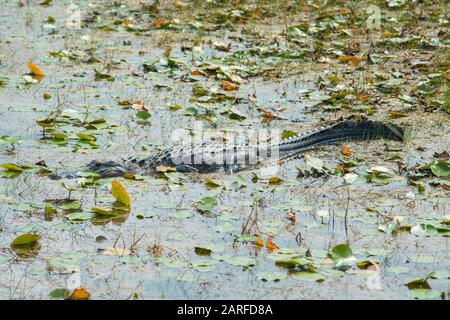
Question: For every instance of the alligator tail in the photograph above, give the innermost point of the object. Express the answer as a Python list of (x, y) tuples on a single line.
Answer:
[(342, 131)]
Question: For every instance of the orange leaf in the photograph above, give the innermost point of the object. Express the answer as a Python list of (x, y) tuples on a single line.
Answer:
[(35, 70), (197, 72), (119, 193), (258, 242), (79, 294), (229, 86), (346, 151), (271, 245)]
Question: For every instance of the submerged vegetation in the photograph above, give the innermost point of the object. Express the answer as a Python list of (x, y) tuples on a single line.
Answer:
[(102, 80)]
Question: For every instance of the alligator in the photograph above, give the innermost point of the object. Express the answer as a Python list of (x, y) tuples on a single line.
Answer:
[(198, 157)]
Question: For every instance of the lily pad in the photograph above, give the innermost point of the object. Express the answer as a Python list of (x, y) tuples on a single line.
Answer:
[(271, 276)]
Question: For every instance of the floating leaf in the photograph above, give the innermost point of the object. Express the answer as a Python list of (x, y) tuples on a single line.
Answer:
[(236, 260), (120, 194), (440, 168), (315, 163), (271, 276), (308, 276), (342, 255), (229, 86), (115, 251), (35, 70), (106, 211), (80, 216), (206, 203), (423, 294), (270, 245), (143, 116), (425, 230), (346, 151), (224, 228), (70, 206), (175, 177), (59, 294), (12, 167), (211, 184), (79, 294), (25, 239), (86, 137)]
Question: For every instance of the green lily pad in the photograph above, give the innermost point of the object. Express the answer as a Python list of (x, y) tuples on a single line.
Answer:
[(236, 260), (308, 276), (206, 204), (342, 255), (440, 168), (25, 239), (423, 294), (271, 276), (59, 294), (425, 230)]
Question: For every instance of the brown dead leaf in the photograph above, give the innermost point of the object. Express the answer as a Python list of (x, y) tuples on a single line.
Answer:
[(268, 114)]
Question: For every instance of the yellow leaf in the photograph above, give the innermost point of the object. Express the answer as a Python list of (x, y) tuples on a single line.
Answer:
[(210, 183), (35, 70), (119, 193), (79, 294), (396, 114), (12, 167), (274, 180)]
